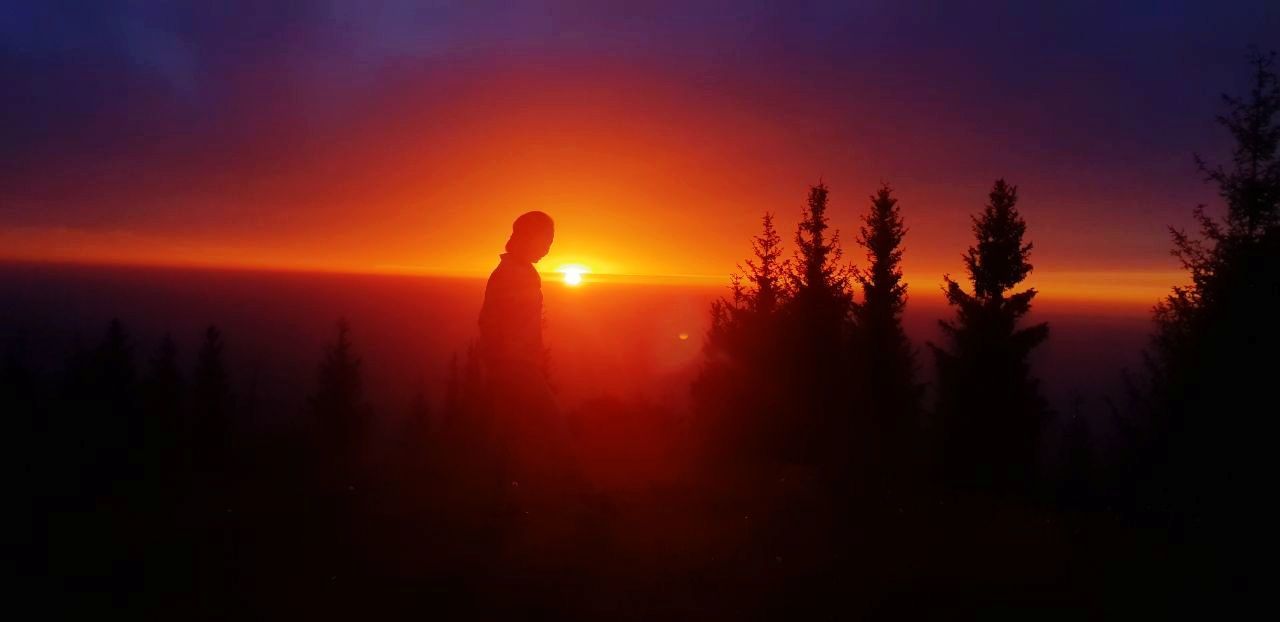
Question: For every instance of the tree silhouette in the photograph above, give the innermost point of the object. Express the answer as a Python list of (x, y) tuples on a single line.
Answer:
[(99, 408), (1078, 460), (115, 371), (338, 403), (419, 428), (987, 399), (884, 357), (738, 389), (1211, 360), (164, 378), (818, 326), (163, 393), (211, 402), (21, 401), (765, 273), (115, 378), (819, 279)]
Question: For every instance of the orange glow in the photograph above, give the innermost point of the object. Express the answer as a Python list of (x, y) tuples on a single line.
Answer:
[(642, 185)]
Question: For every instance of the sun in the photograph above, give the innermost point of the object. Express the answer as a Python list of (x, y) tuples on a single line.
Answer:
[(573, 274)]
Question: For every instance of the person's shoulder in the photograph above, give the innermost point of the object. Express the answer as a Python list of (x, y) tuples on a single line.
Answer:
[(513, 271)]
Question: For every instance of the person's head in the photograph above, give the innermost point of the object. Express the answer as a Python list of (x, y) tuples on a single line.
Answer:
[(531, 236)]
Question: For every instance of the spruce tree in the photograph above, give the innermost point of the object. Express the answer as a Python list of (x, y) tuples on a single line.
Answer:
[(820, 280), (211, 401), (757, 291), (737, 391), (164, 425), (988, 401), (817, 327), (115, 374), (883, 355), (338, 402), (114, 379), (1211, 360), (765, 272)]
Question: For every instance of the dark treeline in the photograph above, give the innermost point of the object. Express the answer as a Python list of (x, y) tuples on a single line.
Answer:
[(807, 362), (811, 354), (822, 471)]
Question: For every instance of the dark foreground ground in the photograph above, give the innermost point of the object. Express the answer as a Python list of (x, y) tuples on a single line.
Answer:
[(427, 538)]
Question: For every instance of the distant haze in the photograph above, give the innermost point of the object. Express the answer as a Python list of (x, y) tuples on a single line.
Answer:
[(605, 339)]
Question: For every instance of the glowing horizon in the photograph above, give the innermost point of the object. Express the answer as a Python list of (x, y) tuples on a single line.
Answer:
[(654, 161), (1105, 287)]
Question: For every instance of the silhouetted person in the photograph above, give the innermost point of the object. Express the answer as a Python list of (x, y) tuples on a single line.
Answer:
[(525, 415), (511, 318)]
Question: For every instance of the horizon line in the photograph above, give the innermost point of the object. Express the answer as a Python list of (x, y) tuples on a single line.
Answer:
[(1127, 285)]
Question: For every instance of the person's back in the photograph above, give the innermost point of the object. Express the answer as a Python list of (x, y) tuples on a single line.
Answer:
[(511, 318), (542, 481), (524, 412)]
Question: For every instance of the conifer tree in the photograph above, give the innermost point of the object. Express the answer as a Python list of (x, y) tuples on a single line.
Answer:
[(757, 291), (211, 401), (884, 358), (21, 398), (738, 390), (818, 324), (164, 425), (114, 379), (164, 376), (766, 272), (820, 280), (115, 373), (1212, 356), (988, 401), (338, 403)]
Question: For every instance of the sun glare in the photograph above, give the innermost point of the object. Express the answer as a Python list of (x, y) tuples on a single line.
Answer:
[(572, 274)]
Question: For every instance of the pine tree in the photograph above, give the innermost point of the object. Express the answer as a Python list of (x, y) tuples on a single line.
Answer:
[(21, 399), (1212, 356), (164, 426), (757, 292), (164, 377), (338, 402), (818, 276), (737, 391), (115, 372), (766, 272), (115, 378), (885, 360), (211, 402), (818, 326), (987, 398)]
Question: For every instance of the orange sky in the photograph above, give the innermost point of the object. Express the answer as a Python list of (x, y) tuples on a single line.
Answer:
[(647, 171)]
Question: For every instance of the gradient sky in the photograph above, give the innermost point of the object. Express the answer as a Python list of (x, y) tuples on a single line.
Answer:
[(406, 135)]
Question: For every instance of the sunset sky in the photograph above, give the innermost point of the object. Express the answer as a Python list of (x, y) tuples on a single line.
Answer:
[(405, 136)]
